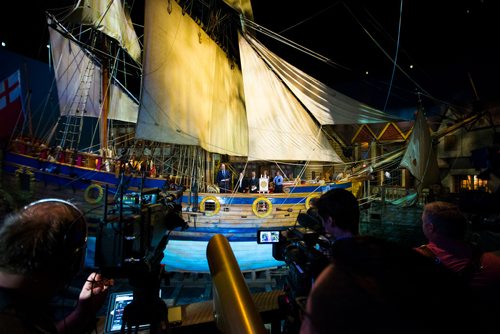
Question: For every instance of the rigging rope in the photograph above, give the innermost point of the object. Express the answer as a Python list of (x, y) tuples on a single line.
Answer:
[(395, 56), (258, 28), (385, 52)]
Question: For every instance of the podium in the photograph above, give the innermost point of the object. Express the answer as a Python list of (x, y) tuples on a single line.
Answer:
[(264, 184)]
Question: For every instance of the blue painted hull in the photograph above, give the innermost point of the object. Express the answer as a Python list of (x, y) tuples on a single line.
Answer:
[(73, 176), (232, 215), (235, 212)]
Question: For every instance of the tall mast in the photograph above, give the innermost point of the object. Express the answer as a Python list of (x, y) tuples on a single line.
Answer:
[(105, 106)]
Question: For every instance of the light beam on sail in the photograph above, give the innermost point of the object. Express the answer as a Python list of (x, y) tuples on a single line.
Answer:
[(191, 94), (111, 18), (279, 126), (326, 104)]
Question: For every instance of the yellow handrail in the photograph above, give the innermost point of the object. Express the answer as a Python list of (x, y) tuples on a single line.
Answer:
[(235, 310)]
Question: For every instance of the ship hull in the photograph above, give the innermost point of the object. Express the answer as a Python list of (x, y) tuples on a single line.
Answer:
[(237, 216)]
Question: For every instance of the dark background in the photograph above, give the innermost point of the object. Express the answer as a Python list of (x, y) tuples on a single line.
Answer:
[(452, 45)]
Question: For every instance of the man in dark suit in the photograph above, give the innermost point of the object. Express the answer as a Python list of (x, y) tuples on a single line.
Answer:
[(253, 183), (224, 179)]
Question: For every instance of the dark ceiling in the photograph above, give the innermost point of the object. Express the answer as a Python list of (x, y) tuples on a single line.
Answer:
[(452, 46)]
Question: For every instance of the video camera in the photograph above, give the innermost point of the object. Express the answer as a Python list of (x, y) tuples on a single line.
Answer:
[(306, 251)]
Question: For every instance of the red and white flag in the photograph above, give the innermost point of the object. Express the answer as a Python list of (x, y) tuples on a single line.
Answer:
[(11, 107)]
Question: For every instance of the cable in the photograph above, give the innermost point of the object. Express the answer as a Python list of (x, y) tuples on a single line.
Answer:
[(395, 56)]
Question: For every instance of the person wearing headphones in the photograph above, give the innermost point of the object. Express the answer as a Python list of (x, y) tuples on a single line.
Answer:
[(42, 248)]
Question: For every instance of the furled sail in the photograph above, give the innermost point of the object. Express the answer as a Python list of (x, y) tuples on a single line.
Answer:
[(79, 83), (191, 94), (111, 18), (420, 157)]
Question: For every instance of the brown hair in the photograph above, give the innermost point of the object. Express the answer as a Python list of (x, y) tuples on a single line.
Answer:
[(46, 236), (447, 219)]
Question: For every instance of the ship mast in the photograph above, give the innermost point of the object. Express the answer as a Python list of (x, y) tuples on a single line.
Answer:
[(105, 107)]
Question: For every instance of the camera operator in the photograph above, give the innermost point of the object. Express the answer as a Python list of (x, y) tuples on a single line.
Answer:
[(42, 248), (333, 219), (339, 212)]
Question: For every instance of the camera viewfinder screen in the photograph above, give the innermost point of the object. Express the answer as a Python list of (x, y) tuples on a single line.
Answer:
[(267, 237)]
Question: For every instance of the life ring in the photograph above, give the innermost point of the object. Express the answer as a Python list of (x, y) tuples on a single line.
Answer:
[(309, 199), (257, 207), (210, 199), (93, 194)]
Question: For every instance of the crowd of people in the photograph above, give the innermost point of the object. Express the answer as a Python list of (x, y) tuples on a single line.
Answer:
[(250, 184), (104, 159)]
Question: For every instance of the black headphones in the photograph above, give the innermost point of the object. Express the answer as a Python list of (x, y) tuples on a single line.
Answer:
[(74, 238)]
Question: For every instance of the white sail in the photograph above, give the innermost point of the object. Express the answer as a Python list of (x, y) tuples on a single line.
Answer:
[(420, 157), (326, 104), (77, 76), (244, 7), (191, 93), (279, 126), (122, 107), (79, 83), (111, 18)]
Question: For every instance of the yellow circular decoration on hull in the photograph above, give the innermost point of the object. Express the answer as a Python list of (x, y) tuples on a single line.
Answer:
[(262, 207), (93, 194), (210, 199)]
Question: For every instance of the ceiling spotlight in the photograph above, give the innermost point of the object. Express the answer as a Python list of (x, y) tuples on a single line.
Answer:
[(3, 44)]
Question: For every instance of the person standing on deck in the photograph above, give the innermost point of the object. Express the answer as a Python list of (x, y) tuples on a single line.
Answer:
[(242, 183), (253, 183), (278, 182), (224, 179)]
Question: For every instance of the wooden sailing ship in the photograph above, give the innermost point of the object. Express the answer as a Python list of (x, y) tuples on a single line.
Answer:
[(198, 104)]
